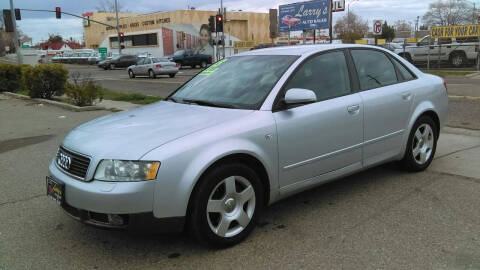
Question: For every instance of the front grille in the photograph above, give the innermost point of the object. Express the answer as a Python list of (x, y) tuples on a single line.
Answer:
[(78, 164)]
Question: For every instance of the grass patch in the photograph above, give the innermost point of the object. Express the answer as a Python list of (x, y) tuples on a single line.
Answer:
[(23, 92), (132, 98), (443, 73)]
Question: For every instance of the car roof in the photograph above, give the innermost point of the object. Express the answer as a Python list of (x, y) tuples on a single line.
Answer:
[(302, 49)]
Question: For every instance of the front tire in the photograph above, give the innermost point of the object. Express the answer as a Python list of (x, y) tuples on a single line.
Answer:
[(421, 145), (131, 74), (151, 74), (225, 205), (112, 66)]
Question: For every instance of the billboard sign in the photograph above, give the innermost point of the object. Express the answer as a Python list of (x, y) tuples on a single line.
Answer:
[(304, 15), (454, 31)]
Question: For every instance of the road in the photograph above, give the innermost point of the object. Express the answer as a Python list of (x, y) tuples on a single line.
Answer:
[(382, 218)]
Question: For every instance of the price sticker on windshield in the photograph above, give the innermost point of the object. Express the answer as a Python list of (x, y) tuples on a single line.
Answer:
[(213, 68)]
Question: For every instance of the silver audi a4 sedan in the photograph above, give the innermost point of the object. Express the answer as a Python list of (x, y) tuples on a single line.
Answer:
[(244, 133)]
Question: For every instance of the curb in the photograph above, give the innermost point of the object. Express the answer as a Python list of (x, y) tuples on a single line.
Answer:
[(56, 103)]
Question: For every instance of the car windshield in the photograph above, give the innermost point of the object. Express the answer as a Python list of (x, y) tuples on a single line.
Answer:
[(116, 57), (241, 82), (179, 52)]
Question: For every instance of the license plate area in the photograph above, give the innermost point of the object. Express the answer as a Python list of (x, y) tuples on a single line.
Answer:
[(55, 190)]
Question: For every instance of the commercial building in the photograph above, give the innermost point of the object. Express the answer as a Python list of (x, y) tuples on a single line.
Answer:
[(163, 33)]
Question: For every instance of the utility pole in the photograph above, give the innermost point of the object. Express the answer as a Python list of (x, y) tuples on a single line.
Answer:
[(118, 28), (223, 29), (15, 34)]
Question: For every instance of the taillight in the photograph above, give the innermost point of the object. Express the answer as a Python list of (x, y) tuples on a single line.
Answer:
[(444, 84), (177, 64), (158, 66)]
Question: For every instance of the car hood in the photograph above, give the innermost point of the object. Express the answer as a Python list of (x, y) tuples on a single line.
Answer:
[(131, 134)]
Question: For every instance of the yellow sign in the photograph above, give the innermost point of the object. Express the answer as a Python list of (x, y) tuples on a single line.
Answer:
[(412, 40), (381, 41), (454, 31), (361, 41), (244, 45)]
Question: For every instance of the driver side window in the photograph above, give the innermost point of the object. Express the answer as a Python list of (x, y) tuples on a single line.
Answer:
[(325, 74)]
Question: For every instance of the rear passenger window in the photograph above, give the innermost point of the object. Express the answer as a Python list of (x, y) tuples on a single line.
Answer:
[(325, 74), (406, 74), (374, 69)]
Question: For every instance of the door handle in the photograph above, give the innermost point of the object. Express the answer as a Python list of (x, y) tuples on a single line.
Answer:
[(353, 109), (407, 96)]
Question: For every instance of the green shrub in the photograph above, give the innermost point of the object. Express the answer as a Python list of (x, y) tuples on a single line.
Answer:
[(45, 80), (83, 92), (10, 77)]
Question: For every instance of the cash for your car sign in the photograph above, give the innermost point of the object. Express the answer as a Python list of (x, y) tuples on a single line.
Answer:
[(304, 15)]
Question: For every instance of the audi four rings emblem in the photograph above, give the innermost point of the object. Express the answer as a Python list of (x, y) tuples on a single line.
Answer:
[(64, 160)]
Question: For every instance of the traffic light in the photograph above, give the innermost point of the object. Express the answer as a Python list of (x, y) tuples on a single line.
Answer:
[(211, 24), (18, 16), (219, 20), (58, 13), (122, 37)]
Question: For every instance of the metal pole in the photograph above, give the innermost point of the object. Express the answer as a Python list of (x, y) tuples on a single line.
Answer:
[(223, 30), (118, 29), (439, 51), (428, 55), (15, 34), (314, 35), (330, 23)]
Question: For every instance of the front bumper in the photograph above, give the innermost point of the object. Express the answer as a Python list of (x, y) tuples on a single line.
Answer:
[(104, 204)]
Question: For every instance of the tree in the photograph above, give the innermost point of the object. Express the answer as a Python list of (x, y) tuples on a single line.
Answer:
[(109, 6), (448, 12), (388, 32), (350, 28), (54, 38)]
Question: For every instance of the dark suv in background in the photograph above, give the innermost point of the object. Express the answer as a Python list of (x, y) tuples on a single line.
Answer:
[(189, 58), (119, 61)]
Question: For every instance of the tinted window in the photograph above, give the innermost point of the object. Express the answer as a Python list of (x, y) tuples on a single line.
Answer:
[(374, 69), (325, 74), (442, 41), (406, 74)]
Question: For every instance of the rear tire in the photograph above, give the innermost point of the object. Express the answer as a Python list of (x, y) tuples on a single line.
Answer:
[(112, 66), (458, 60), (171, 75), (225, 205), (203, 64), (151, 74), (421, 145)]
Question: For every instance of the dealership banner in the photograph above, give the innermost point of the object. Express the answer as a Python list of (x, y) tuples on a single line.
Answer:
[(304, 15), (454, 31)]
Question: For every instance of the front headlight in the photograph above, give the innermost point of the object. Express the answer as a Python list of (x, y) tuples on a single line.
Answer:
[(126, 170)]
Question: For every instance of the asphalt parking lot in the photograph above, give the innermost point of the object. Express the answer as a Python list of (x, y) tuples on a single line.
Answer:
[(382, 218)]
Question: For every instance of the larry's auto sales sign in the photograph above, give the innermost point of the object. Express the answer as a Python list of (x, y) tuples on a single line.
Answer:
[(304, 15)]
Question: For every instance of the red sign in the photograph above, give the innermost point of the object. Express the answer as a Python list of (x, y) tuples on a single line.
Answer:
[(87, 14)]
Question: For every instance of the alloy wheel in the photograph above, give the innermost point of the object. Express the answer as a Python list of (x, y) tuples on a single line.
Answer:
[(231, 206), (422, 144)]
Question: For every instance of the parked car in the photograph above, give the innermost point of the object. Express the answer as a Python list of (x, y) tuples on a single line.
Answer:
[(189, 58), (153, 66), (118, 61), (246, 132), (456, 51), (94, 58)]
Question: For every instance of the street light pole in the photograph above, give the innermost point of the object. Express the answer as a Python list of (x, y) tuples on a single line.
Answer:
[(15, 34), (348, 13), (118, 28)]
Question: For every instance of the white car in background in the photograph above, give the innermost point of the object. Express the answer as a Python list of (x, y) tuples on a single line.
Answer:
[(153, 66)]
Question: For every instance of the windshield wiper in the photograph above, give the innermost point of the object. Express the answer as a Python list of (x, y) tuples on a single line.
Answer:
[(173, 100), (208, 103)]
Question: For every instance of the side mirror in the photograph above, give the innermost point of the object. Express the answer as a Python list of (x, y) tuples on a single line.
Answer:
[(297, 96)]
